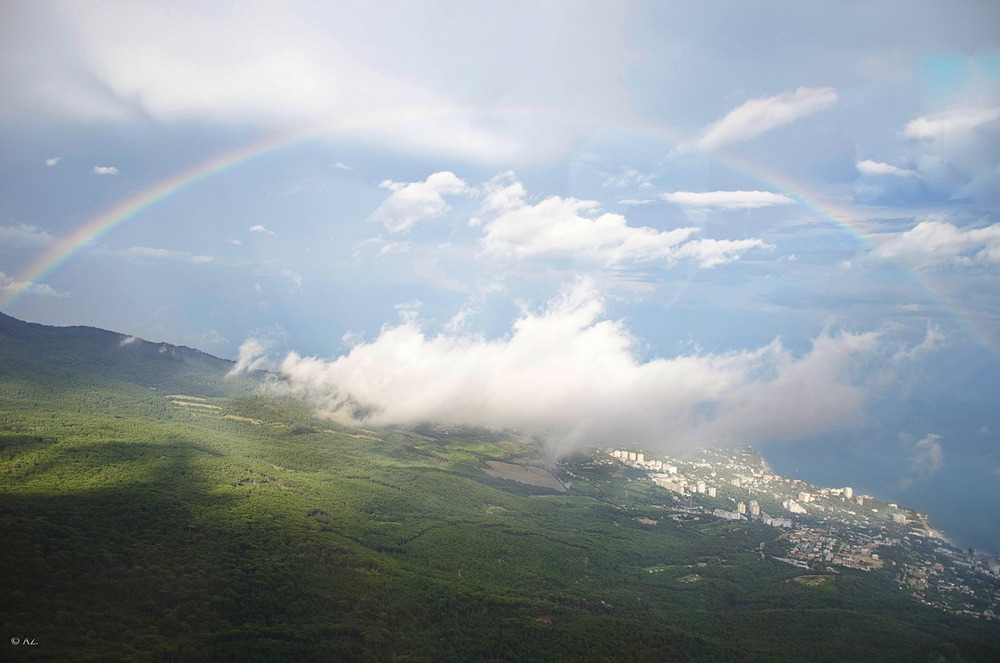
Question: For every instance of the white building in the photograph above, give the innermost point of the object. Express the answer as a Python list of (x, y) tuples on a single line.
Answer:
[(670, 484), (848, 492), (793, 506)]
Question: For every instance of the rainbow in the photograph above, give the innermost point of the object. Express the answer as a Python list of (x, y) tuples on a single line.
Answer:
[(61, 251), (842, 217), (50, 260)]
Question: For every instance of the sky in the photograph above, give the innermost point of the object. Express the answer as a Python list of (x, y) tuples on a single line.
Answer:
[(667, 225)]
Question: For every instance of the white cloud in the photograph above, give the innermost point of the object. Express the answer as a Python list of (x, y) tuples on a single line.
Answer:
[(957, 154), (253, 352), (252, 356), (727, 199), (416, 201), (394, 247), (359, 247), (715, 252), (628, 178), (52, 161), (574, 376), (950, 124), (14, 287), (294, 278), (22, 235), (869, 167), (936, 243), (105, 170), (342, 166), (146, 253), (575, 229), (260, 230), (127, 340), (933, 339), (928, 457), (234, 242), (360, 73), (758, 116)]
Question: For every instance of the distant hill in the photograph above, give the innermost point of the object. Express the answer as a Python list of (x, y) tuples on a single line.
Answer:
[(69, 357)]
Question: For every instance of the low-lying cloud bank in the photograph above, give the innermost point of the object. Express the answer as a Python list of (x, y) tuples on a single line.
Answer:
[(572, 376)]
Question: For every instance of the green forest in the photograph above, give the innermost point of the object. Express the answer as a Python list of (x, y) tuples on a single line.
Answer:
[(152, 509)]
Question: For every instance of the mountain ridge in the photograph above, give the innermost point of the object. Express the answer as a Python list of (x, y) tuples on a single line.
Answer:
[(69, 355)]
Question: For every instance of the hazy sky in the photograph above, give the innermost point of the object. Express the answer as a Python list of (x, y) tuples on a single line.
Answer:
[(673, 223)]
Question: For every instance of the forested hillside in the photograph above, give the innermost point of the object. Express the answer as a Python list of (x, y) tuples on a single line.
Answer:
[(66, 358), (151, 510)]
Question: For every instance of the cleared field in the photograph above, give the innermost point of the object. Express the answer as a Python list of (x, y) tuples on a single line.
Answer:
[(529, 474)]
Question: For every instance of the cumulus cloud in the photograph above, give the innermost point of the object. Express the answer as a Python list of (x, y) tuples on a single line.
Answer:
[(727, 199), (869, 167), (935, 243), (715, 252), (105, 170), (933, 339), (950, 124), (22, 235), (928, 457), (260, 230), (10, 287), (252, 356), (957, 154), (416, 201), (573, 376), (253, 352), (52, 161), (759, 116), (575, 229)]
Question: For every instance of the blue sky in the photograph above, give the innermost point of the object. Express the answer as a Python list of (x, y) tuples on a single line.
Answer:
[(770, 222)]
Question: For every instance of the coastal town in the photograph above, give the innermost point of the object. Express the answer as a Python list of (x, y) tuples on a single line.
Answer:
[(825, 530)]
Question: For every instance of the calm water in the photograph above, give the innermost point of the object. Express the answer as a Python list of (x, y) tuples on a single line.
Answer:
[(962, 498)]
